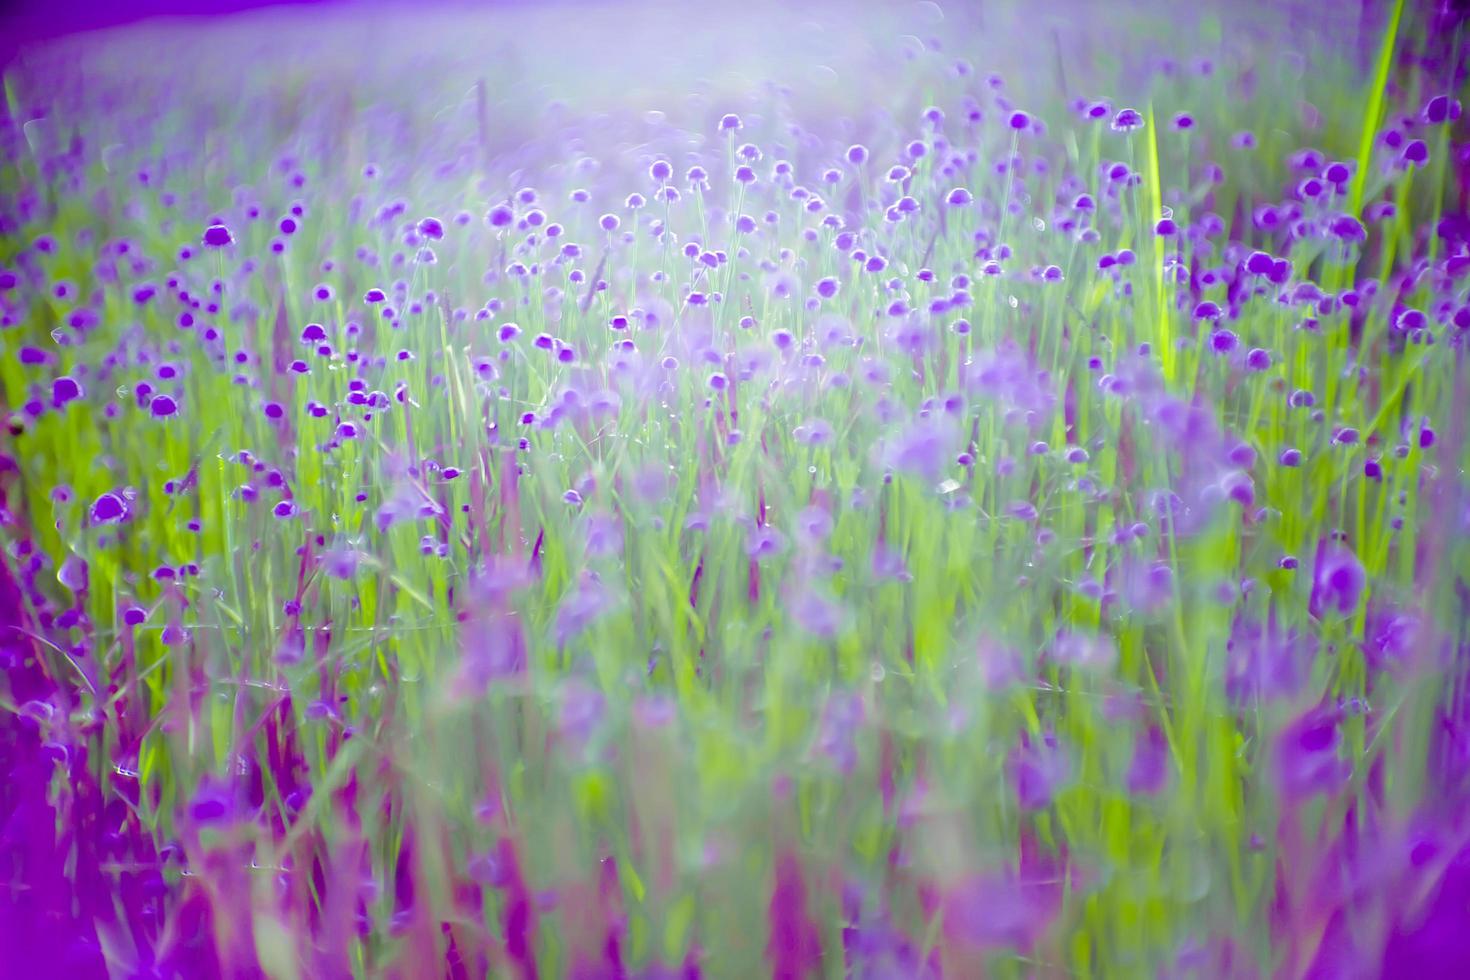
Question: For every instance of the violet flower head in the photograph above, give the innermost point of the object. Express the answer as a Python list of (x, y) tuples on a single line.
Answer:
[(923, 448), (1308, 758), (1003, 910), (1127, 120), (1338, 580), (817, 614), (1148, 773), (1037, 769), (1265, 663), (217, 236), (842, 718), (110, 508)]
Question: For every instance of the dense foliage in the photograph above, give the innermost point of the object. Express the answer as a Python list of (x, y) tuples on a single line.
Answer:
[(891, 521)]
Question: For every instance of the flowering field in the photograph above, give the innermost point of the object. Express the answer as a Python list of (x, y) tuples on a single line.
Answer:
[(882, 492)]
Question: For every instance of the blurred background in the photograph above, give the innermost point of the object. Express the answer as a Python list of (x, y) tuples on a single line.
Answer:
[(28, 21)]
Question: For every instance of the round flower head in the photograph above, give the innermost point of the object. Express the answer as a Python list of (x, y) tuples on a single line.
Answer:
[(1127, 120), (730, 122), (1019, 120), (65, 389), (1338, 580), (109, 508), (958, 197), (431, 228), (857, 154), (218, 236), (1441, 109), (1259, 264), (1183, 122), (660, 171)]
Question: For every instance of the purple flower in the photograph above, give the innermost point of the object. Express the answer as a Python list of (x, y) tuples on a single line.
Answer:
[(924, 448), (1127, 120), (1084, 650), (1307, 757), (1263, 664), (1002, 910), (1223, 341), (795, 945), (1427, 938), (1148, 773), (814, 432), (73, 573), (1441, 109), (841, 720), (110, 508), (1392, 636), (1338, 580), (217, 236), (888, 563), (213, 803), (342, 562), (65, 389), (582, 709), (581, 608), (1148, 586), (1037, 769), (764, 542), (816, 614)]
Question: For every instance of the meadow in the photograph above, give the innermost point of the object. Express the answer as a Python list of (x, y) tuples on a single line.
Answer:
[(880, 492)]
